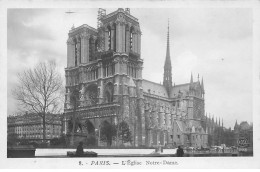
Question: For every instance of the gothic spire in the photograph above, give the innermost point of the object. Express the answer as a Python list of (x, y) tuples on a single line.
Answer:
[(167, 63), (167, 77), (168, 41), (236, 125)]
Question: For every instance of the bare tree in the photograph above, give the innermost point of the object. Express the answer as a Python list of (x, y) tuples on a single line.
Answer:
[(39, 90)]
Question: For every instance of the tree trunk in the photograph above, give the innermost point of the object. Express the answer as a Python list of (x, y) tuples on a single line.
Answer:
[(73, 128), (44, 127)]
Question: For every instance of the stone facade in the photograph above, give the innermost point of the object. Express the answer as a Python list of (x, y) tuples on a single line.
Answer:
[(29, 126), (104, 86)]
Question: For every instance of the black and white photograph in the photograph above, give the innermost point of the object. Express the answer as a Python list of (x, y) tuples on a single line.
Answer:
[(111, 84)]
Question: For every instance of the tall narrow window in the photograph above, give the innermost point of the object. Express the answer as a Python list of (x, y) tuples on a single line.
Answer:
[(126, 36), (114, 41), (113, 69), (96, 45), (90, 49), (79, 51), (96, 73), (107, 70), (131, 38), (76, 54), (103, 71), (109, 37)]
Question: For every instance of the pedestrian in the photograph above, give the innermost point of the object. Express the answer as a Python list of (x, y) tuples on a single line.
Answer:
[(79, 150), (180, 152)]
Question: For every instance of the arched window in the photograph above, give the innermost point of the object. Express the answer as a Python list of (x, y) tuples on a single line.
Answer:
[(114, 41), (131, 38), (96, 45), (91, 48), (109, 91), (79, 50), (108, 97), (92, 93), (90, 127), (107, 132), (127, 37), (96, 73), (76, 53), (109, 37)]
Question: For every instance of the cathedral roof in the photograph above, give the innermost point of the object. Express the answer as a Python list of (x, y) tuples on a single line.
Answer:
[(181, 125), (154, 88), (183, 88)]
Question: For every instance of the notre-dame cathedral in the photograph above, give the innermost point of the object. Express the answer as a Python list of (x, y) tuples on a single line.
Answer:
[(105, 90)]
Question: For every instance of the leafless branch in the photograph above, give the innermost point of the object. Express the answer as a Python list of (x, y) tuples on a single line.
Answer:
[(39, 89)]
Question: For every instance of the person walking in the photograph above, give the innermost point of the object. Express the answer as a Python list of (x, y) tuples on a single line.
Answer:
[(180, 152)]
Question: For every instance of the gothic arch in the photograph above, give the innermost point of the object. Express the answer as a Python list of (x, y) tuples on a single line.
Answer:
[(109, 92), (124, 132), (90, 127), (92, 94), (114, 38), (96, 45), (107, 132), (127, 37), (91, 48)]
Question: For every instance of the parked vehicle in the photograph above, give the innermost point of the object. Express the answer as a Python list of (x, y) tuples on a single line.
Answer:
[(189, 149)]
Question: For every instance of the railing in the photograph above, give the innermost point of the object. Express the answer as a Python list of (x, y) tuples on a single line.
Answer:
[(98, 106)]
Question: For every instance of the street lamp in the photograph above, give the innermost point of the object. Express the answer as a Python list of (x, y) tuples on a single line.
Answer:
[(97, 131)]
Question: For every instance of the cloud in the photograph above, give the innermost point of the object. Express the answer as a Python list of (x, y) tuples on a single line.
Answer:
[(21, 33), (199, 39)]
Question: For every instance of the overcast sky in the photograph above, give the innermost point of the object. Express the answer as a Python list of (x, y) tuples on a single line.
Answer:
[(214, 42)]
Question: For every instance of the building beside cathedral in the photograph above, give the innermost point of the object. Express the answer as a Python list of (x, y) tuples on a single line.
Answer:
[(105, 89), (29, 126), (243, 130)]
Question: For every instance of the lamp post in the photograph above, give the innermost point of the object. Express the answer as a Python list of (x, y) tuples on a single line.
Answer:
[(74, 98), (97, 131)]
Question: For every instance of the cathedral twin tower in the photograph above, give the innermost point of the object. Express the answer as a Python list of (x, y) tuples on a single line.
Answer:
[(105, 88)]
